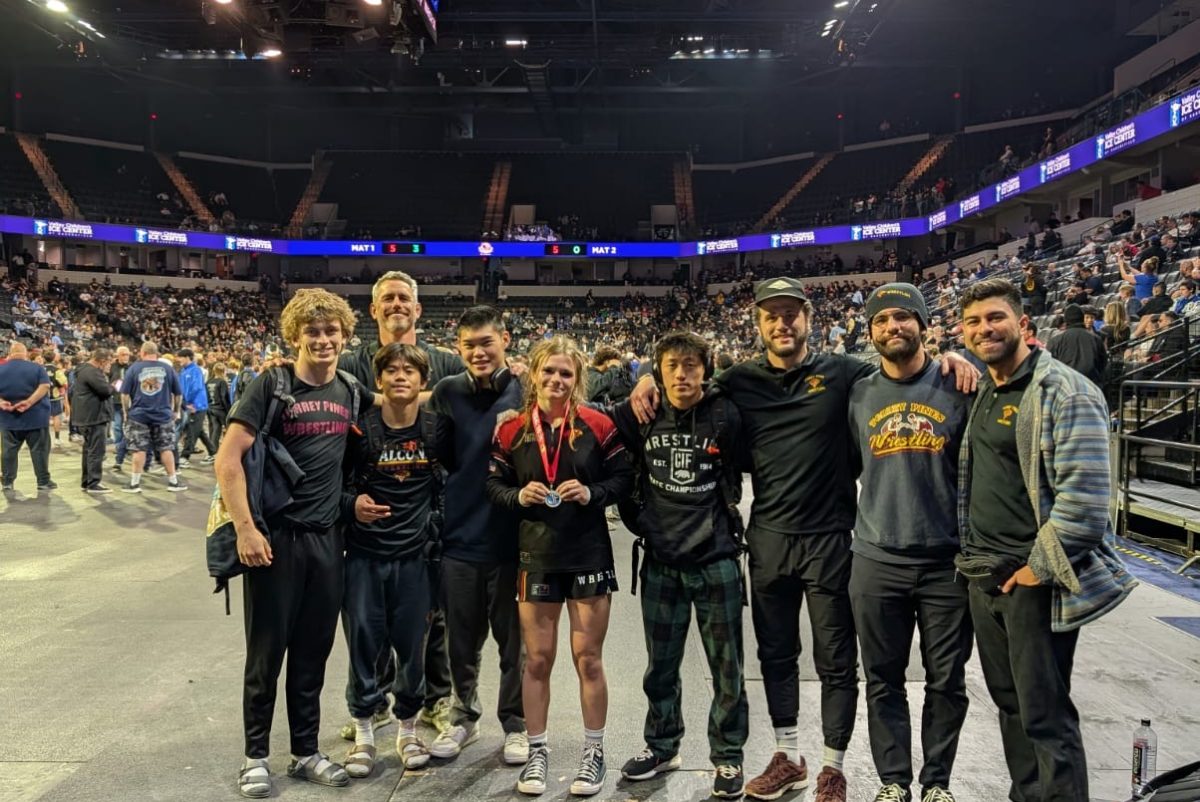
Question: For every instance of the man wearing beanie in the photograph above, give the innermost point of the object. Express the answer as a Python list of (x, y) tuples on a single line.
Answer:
[(907, 422), (1079, 347)]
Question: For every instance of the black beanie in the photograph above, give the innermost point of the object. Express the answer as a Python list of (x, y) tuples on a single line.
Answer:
[(1073, 315), (898, 296)]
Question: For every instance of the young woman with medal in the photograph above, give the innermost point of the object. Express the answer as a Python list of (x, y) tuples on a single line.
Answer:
[(559, 464)]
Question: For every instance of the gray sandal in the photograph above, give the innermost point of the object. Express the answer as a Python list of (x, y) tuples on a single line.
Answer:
[(254, 781), (361, 761), (320, 770)]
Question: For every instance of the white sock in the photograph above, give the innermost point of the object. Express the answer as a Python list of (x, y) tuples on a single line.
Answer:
[(593, 736), (536, 741), (833, 758), (135, 479), (787, 740), (408, 726), (364, 731), (172, 478), (303, 761)]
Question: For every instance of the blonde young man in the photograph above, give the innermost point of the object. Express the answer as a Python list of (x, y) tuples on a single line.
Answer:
[(293, 590)]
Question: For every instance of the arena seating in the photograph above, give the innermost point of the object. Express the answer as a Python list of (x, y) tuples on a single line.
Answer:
[(726, 199), (851, 175), (255, 194), (21, 191), (595, 187), (972, 156), (114, 185), (386, 193)]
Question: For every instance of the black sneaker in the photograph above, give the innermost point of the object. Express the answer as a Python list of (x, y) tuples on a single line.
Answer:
[(99, 489), (728, 782), (893, 792), (592, 771), (177, 486), (48, 486), (132, 488), (533, 777), (647, 765), (6, 487)]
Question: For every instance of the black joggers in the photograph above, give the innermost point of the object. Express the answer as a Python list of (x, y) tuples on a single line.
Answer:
[(785, 570), (889, 601), (92, 456), (291, 607)]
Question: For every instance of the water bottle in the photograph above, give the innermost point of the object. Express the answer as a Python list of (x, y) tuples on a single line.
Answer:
[(1145, 754)]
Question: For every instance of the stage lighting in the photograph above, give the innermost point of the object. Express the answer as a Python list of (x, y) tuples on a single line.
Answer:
[(841, 4), (57, 6), (224, 2), (373, 2), (271, 52)]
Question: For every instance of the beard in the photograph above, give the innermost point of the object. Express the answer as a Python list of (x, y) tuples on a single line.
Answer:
[(799, 338), (900, 352), (398, 325), (1010, 346)]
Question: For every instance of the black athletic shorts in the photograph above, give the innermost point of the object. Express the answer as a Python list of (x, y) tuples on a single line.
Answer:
[(558, 586)]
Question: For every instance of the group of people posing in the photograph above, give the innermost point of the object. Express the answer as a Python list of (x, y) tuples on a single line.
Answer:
[(444, 498)]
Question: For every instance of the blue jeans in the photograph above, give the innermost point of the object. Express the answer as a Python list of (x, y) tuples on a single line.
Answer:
[(119, 433)]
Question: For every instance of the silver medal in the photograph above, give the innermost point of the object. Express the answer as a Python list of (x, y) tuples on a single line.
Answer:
[(553, 499)]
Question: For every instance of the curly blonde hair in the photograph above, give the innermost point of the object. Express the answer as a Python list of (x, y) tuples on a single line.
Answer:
[(559, 345), (308, 306)]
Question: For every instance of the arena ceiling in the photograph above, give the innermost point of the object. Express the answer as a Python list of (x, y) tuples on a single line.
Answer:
[(762, 59)]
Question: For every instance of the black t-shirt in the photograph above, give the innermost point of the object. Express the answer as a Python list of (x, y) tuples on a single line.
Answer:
[(314, 432), (798, 425), (1001, 512), (401, 476)]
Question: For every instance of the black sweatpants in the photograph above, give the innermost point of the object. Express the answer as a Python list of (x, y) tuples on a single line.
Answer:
[(92, 456), (193, 429), (385, 610), (888, 600), (784, 571), (478, 597), (291, 608), (38, 441), (436, 683), (1027, 668), (216, 424)]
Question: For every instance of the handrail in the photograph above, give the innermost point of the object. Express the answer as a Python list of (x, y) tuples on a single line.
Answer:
[(1162, 385), (1154, 441)]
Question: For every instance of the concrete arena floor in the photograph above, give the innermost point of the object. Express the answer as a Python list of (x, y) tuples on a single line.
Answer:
[(120, 676)]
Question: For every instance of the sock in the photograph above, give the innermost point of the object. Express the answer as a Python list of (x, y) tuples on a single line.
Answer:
[(787, 740), (408, 726), (538, 741), (364, 731), (135, 479), (593, 736), (833, 758), (302, 761), (173, 478)]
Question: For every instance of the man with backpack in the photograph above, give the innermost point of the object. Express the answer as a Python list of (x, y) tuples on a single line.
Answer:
[(393, 507), (293, 588), (684, 511)]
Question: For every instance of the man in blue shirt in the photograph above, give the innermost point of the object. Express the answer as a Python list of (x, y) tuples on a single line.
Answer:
[(24, 417), (151, 399), (195, 406)]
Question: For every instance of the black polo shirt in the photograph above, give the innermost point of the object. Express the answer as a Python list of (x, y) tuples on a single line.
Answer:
[(798, 422), (1001, 512)]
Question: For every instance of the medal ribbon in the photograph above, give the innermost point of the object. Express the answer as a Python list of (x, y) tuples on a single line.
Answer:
[(551, 468)]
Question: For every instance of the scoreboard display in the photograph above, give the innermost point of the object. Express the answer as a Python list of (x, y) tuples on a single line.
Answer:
[(566, 249), (404, 248)]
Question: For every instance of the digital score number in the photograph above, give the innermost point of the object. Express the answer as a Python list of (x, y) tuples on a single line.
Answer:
[(404, 248), (565, 249)]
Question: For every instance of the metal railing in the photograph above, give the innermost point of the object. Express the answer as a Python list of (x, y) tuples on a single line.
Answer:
[(1143, 398)]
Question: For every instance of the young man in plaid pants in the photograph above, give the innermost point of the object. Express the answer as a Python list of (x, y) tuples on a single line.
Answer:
[(684, 511)]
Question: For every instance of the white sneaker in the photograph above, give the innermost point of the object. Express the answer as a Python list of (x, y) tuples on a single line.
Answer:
[(516, 748), (450, 743)]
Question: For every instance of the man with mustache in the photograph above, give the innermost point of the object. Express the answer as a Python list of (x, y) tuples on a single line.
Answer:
[(907, 422)]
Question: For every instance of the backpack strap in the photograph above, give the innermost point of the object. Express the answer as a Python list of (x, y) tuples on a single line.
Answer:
[(638, 497), (355, 388)]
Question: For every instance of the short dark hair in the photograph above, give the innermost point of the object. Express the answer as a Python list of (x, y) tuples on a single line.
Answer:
[(187, 353), (403, 352), (992, 288), (101, 355), (478, 317), (724, 361), (605, 354), (682, 342)]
